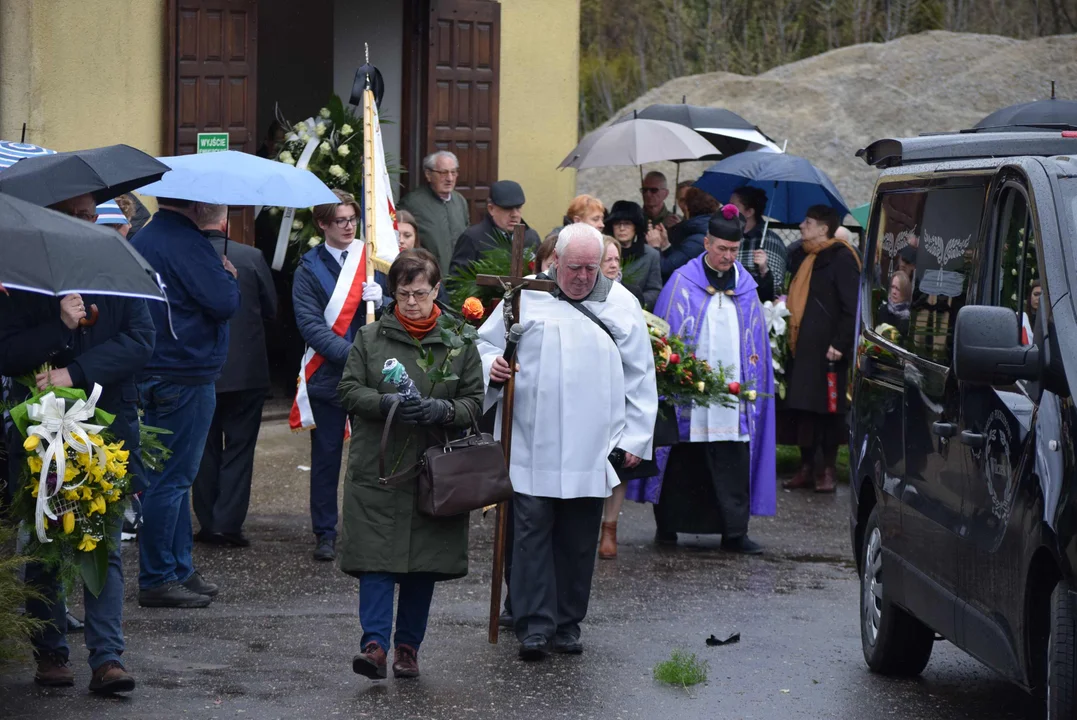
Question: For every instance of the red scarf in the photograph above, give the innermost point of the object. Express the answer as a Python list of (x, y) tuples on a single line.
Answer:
[(418, 329)]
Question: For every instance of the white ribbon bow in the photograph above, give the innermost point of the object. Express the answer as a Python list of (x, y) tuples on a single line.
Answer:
[(775, 312), (56, 427)]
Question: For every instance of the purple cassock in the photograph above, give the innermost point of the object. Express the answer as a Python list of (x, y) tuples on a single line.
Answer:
[(683, 304)]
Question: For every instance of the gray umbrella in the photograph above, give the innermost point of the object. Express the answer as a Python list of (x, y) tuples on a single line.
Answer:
[(43, 251), (635, 142)]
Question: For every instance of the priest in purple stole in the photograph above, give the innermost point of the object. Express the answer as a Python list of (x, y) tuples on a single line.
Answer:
[(723, 469)]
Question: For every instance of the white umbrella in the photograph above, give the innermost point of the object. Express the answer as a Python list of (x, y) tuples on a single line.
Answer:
[(635, 142)]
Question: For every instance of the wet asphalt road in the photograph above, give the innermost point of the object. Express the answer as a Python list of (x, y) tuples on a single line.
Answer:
[(278, 642)]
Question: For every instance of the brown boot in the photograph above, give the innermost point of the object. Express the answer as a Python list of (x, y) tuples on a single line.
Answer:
[(607, 546), (111, 678), (827, 483), (371, 662), (405, 662), (803, 479), (53, 671)]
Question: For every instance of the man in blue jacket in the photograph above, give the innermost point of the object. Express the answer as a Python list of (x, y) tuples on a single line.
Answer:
[(114, 345), (177, 392), (313, 285)]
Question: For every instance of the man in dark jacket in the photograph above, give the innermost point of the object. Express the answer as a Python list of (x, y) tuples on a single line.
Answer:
[(313, 286), (108, 351), (177, 394), (502, 215), (222, 489)]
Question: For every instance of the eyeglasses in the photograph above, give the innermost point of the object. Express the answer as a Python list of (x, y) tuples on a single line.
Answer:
[(345, 222), (646, 190), (88, 217), (452, 173), (419, 295)]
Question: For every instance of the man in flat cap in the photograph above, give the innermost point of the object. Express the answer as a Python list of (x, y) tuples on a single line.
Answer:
[(502, 214)]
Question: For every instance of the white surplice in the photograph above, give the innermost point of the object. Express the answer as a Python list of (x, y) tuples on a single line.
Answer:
[(718, 341), (578, 394)]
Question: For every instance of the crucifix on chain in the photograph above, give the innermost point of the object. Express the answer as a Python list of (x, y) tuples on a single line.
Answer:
[(512, 285)]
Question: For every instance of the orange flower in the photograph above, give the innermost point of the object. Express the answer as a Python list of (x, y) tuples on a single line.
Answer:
[(473, 309)]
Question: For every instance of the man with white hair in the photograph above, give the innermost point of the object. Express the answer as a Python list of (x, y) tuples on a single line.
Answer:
[(585, 397), (441, 212)]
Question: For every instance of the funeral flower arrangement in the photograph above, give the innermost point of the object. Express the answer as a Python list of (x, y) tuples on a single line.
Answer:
[(776, 313), (683, 379), (72, 480), (330, 145)]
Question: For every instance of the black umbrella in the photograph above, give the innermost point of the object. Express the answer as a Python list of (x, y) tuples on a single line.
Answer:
[(103, 172), (47, 252), (727, 131), (1032, 116)]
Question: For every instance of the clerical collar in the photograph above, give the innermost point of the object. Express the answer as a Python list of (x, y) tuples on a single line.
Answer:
[(710, 267)]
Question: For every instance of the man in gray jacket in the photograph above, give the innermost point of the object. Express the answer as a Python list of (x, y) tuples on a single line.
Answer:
[(441, 212), (222, 488)]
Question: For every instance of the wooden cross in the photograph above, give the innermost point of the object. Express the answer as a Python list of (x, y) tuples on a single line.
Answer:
[(512, 285)]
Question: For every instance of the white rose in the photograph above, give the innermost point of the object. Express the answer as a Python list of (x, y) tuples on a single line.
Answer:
[(346, 129), (297, 224), (324, 112), (319, 129), (289, 160), (274, 211), (314, 241), (299, 127), (336, 170), (344, 151), (286, 157), (325, 147)]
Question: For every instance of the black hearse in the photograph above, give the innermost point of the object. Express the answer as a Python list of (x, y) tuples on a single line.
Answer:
[(963, 426)]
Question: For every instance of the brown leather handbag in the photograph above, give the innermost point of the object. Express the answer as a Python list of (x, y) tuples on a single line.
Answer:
[(454, 476)]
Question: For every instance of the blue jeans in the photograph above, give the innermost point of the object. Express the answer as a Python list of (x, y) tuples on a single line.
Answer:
[(412, 611), (166, 538), (326, 451), (104, 613)]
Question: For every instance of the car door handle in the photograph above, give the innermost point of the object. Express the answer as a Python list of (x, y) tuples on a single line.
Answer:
[(972, 439), (944, 429)]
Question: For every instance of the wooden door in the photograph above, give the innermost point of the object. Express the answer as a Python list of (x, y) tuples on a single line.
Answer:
[(462, 91), (213, 77)]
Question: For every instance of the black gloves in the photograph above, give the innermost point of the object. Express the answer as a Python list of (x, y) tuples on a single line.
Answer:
[(386, 403), (428, 411)]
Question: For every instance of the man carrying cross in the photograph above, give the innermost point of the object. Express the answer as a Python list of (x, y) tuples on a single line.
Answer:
[(585, 392)]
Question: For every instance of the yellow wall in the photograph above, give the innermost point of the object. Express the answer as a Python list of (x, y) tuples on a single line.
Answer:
[(539, 108), (83, 73)]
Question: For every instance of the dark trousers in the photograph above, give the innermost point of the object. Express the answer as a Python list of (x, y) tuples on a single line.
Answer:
[(412, 608), (553, 562), (222, 488), (706, 489), (326, 450)]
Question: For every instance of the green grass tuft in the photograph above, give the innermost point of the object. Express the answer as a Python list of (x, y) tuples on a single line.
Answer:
[(15, 627), (789, 461), (682, 669)]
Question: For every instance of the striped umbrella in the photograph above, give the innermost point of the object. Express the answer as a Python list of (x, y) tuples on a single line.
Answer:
[(109, 213), (12, 152)]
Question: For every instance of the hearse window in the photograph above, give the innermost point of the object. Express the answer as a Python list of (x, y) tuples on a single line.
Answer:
[(1017, 284), (924, 251)]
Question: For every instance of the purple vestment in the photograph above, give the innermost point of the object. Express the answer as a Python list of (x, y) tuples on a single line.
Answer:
[(683, 304)]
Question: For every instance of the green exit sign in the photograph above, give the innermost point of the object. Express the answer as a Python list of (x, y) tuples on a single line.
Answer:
[(212, 142)]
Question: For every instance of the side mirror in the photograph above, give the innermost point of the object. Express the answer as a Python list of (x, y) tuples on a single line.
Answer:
[(986, 351)]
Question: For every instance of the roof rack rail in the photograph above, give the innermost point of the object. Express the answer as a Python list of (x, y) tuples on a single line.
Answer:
[(895, 152)]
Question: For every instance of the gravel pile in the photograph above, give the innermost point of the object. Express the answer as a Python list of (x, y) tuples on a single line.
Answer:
[(831, 105)]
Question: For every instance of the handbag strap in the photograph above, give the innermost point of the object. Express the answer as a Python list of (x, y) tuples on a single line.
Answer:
[(413, 470)]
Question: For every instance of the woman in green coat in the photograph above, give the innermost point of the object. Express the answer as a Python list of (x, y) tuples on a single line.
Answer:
[(386, 541)]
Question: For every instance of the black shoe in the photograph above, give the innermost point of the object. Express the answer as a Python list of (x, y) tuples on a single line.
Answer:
[(173, 595), (197, 583), (74, 624), (236, 539), (665, 538), (505, 620), (534, 648), (567, 645), (743, 545), (209, 538), (325, 550)]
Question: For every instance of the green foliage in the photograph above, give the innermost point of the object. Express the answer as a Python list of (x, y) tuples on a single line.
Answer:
[(15, 627), (456, 333), (788, 461), (154, 452), (682, 668), (630, 46), (495, 261)]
